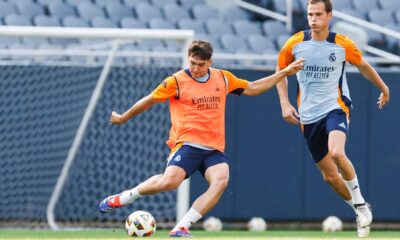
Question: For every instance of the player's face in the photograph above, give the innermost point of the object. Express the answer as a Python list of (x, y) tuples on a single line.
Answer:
[(198, 67), (318, 18)]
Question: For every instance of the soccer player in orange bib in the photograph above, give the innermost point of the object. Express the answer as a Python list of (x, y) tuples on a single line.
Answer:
[(324, 101), (197, 97)]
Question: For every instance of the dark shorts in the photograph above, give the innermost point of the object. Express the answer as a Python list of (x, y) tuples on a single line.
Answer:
[(316, 134), (193, 159)]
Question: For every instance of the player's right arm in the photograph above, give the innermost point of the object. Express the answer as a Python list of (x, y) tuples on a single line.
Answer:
[(165, 90), (137, 108), (289, 113)]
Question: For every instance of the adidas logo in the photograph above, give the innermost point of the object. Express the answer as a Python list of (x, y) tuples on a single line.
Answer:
[(342, 125)]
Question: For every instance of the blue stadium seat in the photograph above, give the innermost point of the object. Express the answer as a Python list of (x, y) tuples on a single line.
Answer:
[(149, 44), (103, 3), (190, 3), (380, 17), (23, 1), (129, 22), (161, 3), (17, 20), (281, 40), (88, 10), (5, 42), (280, 6), (354, 13), (134, 3), (271, 51), (274, 28), (246, 28), (234, 13), (397, 16), (196, 25), (7, 8), (363, 6), (76, 2), (47, 2), (164, 62), (174, 12), (233, 43), (260, 44), (71, 21), (389, 4), (217, 27), (102, 22), (47, 21), (145, 12), (173, 45), (214, 40), (29, 8), (392, 42), (159, 23), (342, 4), (59, 9), (117, 11), (204, 12)]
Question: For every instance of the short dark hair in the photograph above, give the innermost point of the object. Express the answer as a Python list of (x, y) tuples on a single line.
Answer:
[(201, 49), (327, 3)]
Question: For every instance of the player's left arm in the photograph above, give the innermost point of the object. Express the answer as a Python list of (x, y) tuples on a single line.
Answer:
[(264, 84), (370, 73)]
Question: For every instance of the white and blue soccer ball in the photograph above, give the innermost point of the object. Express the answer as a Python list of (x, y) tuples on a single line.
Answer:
[(257, 224), (140, 224), (212, 224), (332, 224)]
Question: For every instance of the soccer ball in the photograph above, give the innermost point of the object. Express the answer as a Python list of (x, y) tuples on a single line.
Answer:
[(212, 224), (140, 224), (257, 224), (332, 224)]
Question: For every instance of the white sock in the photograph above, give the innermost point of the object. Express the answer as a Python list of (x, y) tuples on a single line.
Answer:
[(190, 217), (350, 202), (129, 196), (354, 189)]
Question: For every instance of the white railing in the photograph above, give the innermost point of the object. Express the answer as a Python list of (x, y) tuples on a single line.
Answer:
[(288, 18)]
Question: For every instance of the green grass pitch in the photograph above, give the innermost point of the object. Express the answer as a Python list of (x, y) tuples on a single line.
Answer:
[(198, 235)]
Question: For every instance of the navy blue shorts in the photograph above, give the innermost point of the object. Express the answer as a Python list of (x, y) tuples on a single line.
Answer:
[(193, 159), (316, 134)]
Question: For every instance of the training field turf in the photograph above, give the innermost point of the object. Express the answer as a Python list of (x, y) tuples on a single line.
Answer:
[(199, 235)]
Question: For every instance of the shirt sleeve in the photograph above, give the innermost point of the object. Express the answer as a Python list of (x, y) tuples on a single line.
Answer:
[(165, 90), (285, 56), (235, 85), (353, 53)]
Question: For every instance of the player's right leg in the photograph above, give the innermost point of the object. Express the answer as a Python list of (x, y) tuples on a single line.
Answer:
[(169, 180)]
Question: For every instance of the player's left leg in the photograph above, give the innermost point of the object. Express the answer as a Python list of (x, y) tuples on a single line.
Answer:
[(336, 146), (217, 176)]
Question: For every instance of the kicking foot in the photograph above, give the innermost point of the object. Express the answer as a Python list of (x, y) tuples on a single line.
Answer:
[(181, 232), (110, 203)]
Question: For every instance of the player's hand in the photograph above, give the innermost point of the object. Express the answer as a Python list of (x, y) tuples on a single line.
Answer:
[(116, 118), (295, 66), (290, 114), (383, 99)]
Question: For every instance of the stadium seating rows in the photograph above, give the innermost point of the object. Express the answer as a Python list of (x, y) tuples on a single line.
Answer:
[(233, 25)]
